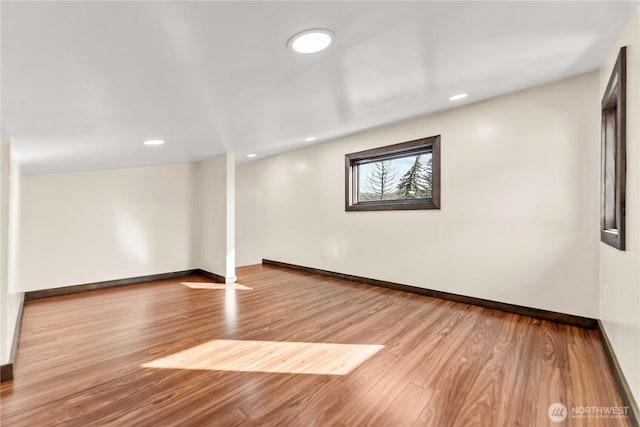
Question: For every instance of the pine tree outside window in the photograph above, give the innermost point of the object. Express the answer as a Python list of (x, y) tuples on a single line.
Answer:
[(396, 177)]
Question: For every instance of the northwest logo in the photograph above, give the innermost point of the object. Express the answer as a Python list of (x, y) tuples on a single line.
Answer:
[(557, 412)]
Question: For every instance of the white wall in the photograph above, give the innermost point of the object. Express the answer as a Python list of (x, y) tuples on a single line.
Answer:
[(214, 211), (9, 208), (87, 227), (620, 270), (4, 247), (519, 217), (14, 295), (250, 213)]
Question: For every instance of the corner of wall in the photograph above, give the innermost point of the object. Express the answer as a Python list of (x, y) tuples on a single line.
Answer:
[(214, 216), (4, 246), (230, 239), (10, 298)]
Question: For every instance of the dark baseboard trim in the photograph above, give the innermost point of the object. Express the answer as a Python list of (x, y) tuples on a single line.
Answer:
[(8, 369), (552, 316), (213, 276), (6, 372), (621, 381), (66, 290)]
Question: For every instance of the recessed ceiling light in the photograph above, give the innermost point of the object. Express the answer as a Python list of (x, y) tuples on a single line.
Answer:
[(154, 142), (458, 96), (311, 41), (251, 155), (310, 138)]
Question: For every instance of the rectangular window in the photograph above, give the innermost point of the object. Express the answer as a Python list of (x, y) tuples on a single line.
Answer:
[(613, 168), (397, 177)]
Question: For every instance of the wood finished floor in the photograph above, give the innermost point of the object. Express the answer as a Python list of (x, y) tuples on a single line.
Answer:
[(82, 359)]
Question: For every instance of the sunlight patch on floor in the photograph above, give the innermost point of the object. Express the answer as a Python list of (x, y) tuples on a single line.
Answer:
[(270, 356), (223, 286)]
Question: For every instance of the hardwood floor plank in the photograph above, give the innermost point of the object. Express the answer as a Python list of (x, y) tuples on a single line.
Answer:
[(407, 406), (295, 349)]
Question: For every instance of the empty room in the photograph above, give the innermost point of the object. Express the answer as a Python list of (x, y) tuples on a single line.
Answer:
[(320, 213)]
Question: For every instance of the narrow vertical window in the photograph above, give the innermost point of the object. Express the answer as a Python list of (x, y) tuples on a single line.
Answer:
[(613, 158)]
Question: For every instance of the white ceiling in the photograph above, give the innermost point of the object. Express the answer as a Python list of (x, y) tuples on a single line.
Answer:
[(84, 83)]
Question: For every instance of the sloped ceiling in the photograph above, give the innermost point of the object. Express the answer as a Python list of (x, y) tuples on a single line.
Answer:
[(84, 83)]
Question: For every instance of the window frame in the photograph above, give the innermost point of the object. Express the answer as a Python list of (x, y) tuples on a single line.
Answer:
[(614, 105), (396, 150)]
